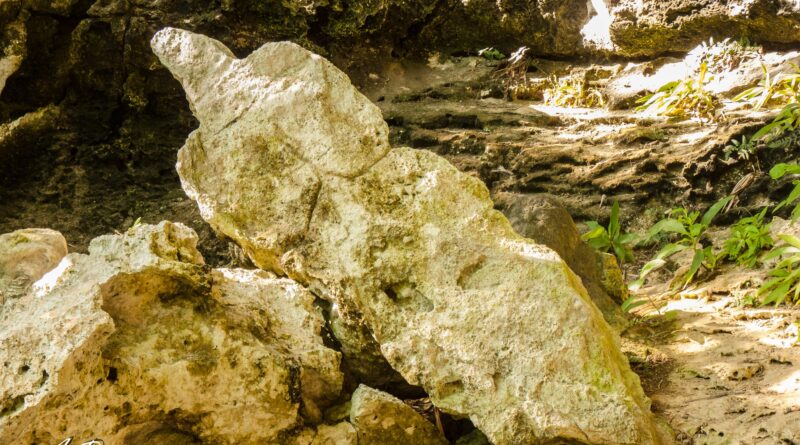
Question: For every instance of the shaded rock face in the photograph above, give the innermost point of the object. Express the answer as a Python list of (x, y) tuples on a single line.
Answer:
[(383, 419), (139, 342), (12, 42), (543, 219), (649, 27), (492, 325), (25, 256)]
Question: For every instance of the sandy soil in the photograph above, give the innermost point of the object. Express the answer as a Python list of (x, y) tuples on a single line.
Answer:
[(718, 371)]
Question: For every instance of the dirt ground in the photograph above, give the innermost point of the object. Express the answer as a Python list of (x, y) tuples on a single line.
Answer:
[(718, 371)]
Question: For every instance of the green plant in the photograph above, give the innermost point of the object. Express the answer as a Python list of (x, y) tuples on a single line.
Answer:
[(689, 231), (783, 88), (780, 171), (491, 54), (749, 236), (611, 238), (785, 276), (743, 149), (788, 120), (631, 303), (572, 91), (682, 99)]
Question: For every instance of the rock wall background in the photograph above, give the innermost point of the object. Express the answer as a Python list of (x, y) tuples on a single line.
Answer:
[(90, 122)]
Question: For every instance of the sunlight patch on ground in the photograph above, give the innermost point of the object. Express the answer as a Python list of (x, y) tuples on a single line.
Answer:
[(696, 345), (788, 385)]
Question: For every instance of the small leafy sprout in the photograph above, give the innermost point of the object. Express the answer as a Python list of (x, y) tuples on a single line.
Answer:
[(573, 91), (682, 99), (689, 231), (611, 238), (491, 54), (785, 276), (632, 303), (744, 149), (780, 171), (749, 236)]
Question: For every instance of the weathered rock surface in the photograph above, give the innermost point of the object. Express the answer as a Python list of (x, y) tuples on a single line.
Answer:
[(648, 27), (139, 342), (383, 419), (294, 164), (543, 219), (25, 256)]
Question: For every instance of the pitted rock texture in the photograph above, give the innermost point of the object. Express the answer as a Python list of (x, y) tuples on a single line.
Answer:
[(648, 27), (383, 419), (139, 342), (492, 325), (25, 256)]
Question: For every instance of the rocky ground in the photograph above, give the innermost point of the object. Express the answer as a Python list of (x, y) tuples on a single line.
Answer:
[(88, 148)]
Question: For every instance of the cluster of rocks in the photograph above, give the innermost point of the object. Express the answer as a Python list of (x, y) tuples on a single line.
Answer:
[(140, 342), (395, 260)]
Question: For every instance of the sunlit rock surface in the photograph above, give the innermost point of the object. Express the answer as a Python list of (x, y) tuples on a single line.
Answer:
[(25, 256), (294, 164), (139, 342), (647, 27)]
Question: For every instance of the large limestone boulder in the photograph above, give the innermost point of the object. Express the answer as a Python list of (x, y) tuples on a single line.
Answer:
[(294, 164), (139, 342), (25, 256), (383, 419)]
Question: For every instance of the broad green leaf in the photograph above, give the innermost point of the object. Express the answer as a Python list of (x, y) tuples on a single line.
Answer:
[(669, 250), (667, 225), (790, 239), (777, 295), (632, 302), (697, 261), (712, 212), (780, 170), (594, 232), (613, 223)]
